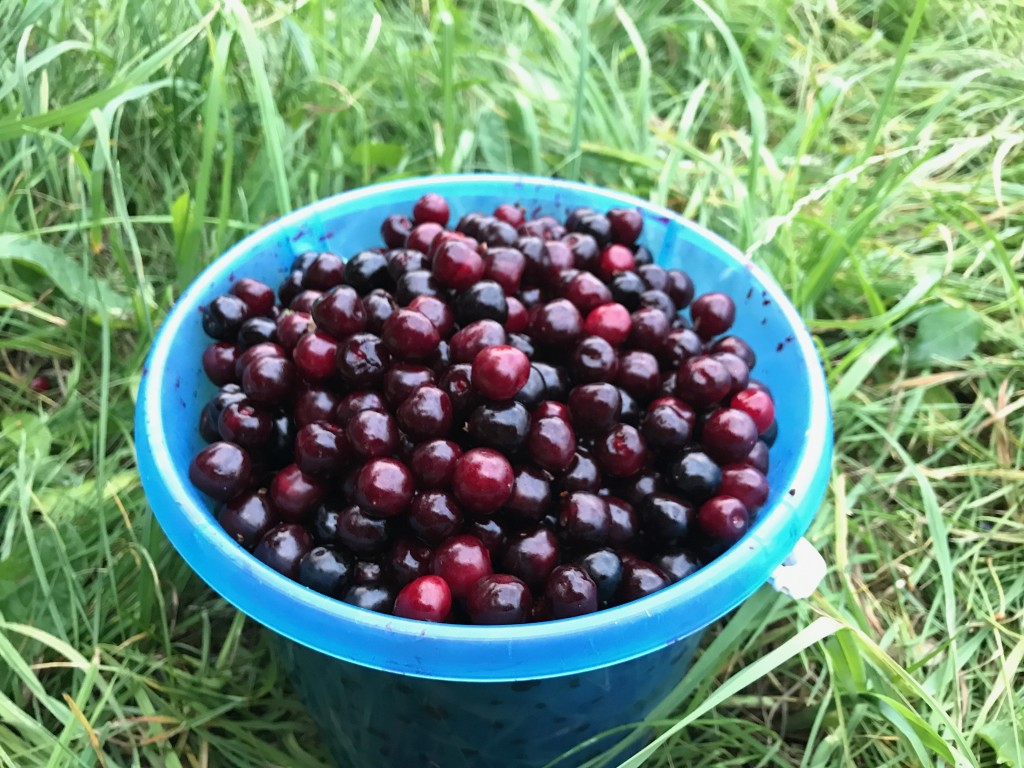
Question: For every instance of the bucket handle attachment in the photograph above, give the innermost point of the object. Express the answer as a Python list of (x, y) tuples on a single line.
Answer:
[(800, 573)]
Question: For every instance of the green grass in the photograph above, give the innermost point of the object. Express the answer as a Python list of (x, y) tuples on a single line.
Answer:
[(870, 154)]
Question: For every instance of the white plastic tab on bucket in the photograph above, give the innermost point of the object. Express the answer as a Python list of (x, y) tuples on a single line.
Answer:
[(800, 573)]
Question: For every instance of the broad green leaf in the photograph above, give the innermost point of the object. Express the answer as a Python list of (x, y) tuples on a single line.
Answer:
[(919, 734), (27, 427), (946, 333), (492, 138), (1006, 741), (187, 238), (369, 153), (66, 273)]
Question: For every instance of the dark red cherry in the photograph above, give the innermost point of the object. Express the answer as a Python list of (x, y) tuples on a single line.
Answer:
[(611, 322), (422, 236), (437, 311), (410, 335), (322, 449), (584, 518), (729, 435), (757, 405), (245, 424), (467, 342), (746, 483), (434, 516), (639, 374), (361, 533), (356, 402), (295, 494), (551, 443), (426, 414), (283, 547), (557, 324), (703, 381), (500, 371), (384, 487), (433, 463), (221, 470), (340, 312), (292, 326), (315, 356), (427, 598), (395, 230), (499, 599), (594, 359), (372, 433), (625, 225), (407, 561), (259, 297), (431, 207), (269, 380), (570, 592), (362, 360), (247, 518), (461, 561), (326, 271), (713, 314), (403, 379), (723, 519), (639, 579), (219, 362), (667, 424), (531, 494), (483, 480)]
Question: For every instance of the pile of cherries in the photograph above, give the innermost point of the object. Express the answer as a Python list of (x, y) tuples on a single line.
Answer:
[(510, 421)]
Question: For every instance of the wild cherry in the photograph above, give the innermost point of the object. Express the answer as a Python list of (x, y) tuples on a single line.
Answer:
[(221, 470), (622, 451), (500, 371), (713, 314), (295, 494), (757, 405), (744, 482), (283, 547), (461, 561), (499, 599), (431, 207), (395, 230), (611, 322), (340, 312), (482, 481), (531, 493), (259, 297), (219, 362), (432, 463), (723, 519), (326, 271), (571, 592), (426, 414), (434, 516), (372, 433), (246, 518), (269, 380), (384, 487), (315, 355), (325, 570), (427, 598), (729, 435)]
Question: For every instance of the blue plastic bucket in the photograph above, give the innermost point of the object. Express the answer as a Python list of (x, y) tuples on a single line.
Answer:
[(392, 692)]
